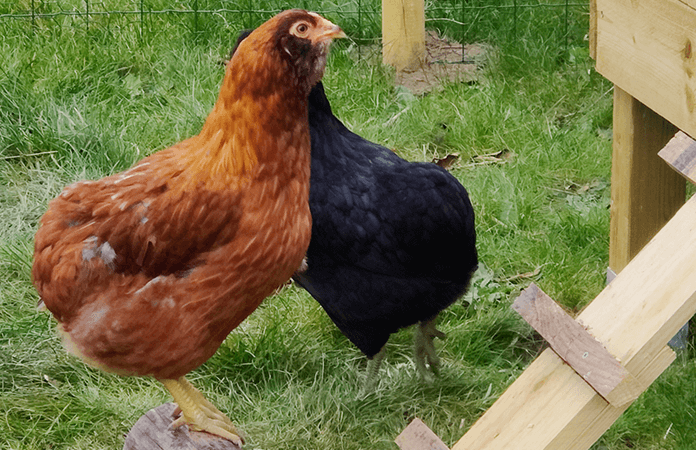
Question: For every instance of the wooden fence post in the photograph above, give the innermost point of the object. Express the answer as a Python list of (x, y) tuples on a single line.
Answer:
[(645, 192), (403, 33)]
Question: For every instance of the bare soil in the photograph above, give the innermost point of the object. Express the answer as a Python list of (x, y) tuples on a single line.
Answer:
[(445, 61)]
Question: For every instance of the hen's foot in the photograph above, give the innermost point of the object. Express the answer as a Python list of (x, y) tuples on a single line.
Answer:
[(198, 413), (371, 380), (425, 354)]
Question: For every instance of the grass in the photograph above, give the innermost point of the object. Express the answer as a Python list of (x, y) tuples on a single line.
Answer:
[(81, 103)]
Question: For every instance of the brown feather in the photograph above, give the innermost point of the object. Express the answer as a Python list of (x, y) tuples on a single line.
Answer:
[(147, 271)]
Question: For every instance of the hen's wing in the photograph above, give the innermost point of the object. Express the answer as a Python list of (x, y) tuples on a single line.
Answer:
[(133, 224), (373, 210)]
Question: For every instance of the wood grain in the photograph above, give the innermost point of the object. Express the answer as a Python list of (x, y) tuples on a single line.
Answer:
[(645, 192), (680, 154), (403, 34), (577, 347), (592, 34), (418, 436), (646, 48), (595, 420), (152, 432), (549, 407), (690, 3)]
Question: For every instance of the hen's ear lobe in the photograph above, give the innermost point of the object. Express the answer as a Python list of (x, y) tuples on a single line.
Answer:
[(287, 51), (295, 47)]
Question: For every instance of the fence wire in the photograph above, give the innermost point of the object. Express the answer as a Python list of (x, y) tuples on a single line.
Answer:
[(512, 19)]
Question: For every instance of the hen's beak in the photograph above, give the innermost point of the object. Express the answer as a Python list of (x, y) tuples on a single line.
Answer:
[(328, 31)]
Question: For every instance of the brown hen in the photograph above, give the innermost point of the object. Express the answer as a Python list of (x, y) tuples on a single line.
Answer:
[(147, 271)]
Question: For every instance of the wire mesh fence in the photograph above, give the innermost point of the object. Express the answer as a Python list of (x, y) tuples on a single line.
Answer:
[(555, 23)]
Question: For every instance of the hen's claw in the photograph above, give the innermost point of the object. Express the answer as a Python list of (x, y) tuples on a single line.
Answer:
[(425, 353), (198, 413)]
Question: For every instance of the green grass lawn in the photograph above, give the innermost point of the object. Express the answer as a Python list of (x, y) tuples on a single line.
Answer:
[(80, 103)]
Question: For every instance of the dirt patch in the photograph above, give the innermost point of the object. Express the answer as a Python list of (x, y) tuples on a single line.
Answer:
[(445, 61)]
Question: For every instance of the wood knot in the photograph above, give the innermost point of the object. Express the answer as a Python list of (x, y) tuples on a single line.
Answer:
[(687, 49)]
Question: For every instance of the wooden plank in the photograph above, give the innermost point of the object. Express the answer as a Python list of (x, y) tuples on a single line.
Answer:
[(403, 33), (153, 432), (645, 192), (549, 406), (646, 48), (680, 154), (577, 347), (598, 417), (418, 436), (539, 405), (593, 29), (652, 298)]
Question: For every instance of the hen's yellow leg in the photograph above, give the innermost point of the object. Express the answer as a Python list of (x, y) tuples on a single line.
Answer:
[(198, 413)]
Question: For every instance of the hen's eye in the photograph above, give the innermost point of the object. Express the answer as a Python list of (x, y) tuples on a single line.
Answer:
[(301, 30)]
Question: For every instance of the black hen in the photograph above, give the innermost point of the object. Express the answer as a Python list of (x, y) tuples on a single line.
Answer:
[(393, 242)]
